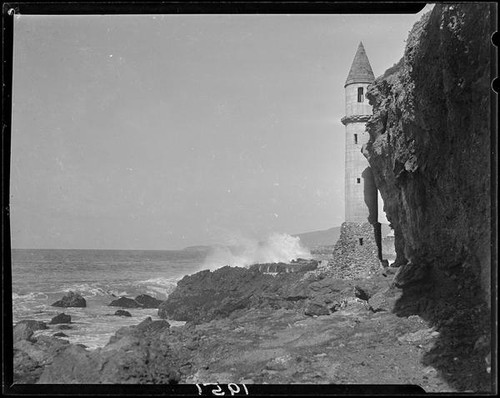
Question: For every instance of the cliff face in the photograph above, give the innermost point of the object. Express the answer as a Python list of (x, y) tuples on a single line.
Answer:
[(430, 146)]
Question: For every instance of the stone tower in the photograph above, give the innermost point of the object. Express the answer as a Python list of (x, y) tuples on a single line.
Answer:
[(358, 250)]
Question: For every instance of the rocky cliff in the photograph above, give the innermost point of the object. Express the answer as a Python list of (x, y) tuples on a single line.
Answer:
[(430, 147)]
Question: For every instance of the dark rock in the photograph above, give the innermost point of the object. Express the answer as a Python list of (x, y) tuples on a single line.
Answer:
[(360, 293), (430, 142), (30, 357), (147, 301), (298, 265), (60, 318), (125, 302), (209, 295), (24, 330), (60, 334), (134, 355), (72, 365), (71, 299), (34, 325), (410, 273), (483, 343), (227, 291), (26, 369), (316, 309), (123, 313), (64, 327)]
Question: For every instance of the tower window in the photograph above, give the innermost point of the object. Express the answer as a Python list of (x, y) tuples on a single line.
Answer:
[(355, 138), (360, 94), (358, 180), (361, 241)]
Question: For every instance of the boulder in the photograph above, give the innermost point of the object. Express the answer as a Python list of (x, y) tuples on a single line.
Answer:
[(22, 332), (24, 329), (33, 325), (316, 309), (71, 299), (147, 301), (64, 327), (26, 369), (125, 302), (30, 357), (73, 365), (60, 318), (60, 334), (123, 313), (138, 354), (209, 295)]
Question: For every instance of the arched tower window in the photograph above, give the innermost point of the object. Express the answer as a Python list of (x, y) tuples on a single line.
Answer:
[(360, 94), (355, 138)]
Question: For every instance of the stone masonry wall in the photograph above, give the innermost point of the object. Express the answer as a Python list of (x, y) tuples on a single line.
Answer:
[(350, 258)]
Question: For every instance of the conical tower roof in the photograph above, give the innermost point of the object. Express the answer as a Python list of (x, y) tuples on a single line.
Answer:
[(361, 70)]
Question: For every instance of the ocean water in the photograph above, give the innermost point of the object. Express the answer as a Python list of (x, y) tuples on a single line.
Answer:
[(41, 277)]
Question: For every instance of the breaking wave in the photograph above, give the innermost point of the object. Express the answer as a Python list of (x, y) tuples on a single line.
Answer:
[(243, 252)]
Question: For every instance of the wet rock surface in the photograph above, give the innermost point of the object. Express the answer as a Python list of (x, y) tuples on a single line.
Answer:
[(147, 301), (134, 355), (123, 313), (299, 265), (23, 330), (71, 299), (141, 301), (333, 336), (209, 295), (60, 318), (125, 302), (32, 355), (34, 325)]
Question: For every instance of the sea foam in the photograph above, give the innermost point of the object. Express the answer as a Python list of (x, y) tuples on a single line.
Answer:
[(243, 252)]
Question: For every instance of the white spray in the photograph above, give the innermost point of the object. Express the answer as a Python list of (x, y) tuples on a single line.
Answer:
[(244, 252)]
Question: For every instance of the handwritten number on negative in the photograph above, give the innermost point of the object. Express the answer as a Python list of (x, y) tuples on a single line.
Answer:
[(219, 390)]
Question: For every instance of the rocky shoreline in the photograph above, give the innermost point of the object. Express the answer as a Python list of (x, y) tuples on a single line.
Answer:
[(244, 326)]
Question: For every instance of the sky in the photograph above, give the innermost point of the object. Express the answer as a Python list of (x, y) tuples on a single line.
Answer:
[(165, 131)]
